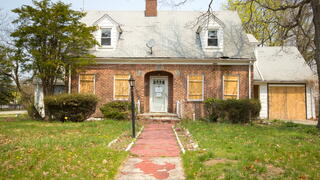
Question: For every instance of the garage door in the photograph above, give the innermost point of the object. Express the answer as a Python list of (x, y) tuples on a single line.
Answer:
[(287, 102)]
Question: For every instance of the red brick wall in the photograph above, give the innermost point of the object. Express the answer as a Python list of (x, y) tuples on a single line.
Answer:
[(151, 8), (177, 83)]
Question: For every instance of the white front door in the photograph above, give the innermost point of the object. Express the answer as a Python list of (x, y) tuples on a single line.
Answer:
[(158, 94)]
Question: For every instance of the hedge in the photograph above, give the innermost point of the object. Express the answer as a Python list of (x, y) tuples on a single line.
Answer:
[(232, 110), (70, 107), (117, 110)]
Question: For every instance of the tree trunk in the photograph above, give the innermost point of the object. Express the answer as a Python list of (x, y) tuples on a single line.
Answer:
[(316, 21), (48, 87)]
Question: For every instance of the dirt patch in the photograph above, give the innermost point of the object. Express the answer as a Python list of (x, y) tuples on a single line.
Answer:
[(213, 162), (186, 138), (5, 140), (8, 119), (272, 171), (122, 142)]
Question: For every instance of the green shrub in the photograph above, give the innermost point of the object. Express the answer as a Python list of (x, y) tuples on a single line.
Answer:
[(118, 110), (232, 110), (212, 107), (70, 107)]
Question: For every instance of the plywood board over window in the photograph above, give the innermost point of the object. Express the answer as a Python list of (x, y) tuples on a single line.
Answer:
[(195, 88), (231, 87), (121, 87), (87, 83)]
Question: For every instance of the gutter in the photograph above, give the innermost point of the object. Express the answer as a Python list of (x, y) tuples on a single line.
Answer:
[(69, 80), (176, 61), (250, 65)]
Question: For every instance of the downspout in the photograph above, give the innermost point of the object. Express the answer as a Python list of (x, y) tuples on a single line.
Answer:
[(250, 79), (69, 80)]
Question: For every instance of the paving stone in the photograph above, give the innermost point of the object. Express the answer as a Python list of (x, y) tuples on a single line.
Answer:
[(157, 154)]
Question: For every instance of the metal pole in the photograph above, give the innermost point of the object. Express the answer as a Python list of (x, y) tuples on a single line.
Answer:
[(133, 115)]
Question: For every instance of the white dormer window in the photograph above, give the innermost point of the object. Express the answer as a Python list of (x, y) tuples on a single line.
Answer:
[(108, 33), (106, 37), (213, 38)]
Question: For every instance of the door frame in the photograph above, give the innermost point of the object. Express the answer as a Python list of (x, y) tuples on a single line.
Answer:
[(166, 78)]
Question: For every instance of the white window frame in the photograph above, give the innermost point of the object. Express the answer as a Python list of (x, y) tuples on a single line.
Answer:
[(195, 100), (100, 37), (94, 83), (220, 32), (114, 88), (217, 34), (238, 86)]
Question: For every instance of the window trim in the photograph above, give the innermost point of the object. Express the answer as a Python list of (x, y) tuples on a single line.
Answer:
[(114, 88), (238, 85), (202, 81), (100, 35), (217, 32), (220, 35), (94, 83)]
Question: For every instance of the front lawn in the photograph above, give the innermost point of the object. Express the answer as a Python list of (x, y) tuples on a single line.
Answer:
[(277, 151), (43, 150)]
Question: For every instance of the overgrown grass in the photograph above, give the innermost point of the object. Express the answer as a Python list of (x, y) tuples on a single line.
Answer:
[(43, 150), (276, 151)]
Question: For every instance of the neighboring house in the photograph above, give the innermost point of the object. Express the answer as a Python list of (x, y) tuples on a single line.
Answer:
[(39, 97), (177, 60), (284, 83)]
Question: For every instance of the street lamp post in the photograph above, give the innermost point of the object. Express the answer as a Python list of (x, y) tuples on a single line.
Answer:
[(133, 115)]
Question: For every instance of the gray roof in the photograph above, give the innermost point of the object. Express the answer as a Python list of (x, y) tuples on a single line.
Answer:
[(173, 33), (281, 64)]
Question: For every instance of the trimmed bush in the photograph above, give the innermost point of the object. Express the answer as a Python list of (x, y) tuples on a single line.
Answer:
[(213, 108), (118, 110), (232, 110), (70, 107)]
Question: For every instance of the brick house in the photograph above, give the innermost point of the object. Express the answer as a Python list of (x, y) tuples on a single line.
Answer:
[(178, 59)]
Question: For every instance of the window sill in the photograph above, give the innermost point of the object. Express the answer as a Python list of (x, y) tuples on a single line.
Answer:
[(120, 99), (106, 47), (189, 100), (213, 48)]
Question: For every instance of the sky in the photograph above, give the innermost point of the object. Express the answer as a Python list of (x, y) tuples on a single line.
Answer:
[(133, 5)]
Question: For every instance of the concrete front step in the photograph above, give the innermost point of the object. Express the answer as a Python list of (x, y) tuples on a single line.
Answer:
[(159, 117)]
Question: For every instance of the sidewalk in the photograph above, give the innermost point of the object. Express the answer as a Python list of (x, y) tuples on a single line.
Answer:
[(305, 122), (155, 156), (13, 112)]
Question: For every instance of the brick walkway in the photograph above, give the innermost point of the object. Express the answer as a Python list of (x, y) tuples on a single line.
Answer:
[(155, 156)]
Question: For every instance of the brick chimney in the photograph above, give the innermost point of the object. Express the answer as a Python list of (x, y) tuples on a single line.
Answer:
[(151, 8)]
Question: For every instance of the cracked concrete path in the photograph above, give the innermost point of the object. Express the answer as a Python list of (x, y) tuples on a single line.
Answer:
[(156, 156)]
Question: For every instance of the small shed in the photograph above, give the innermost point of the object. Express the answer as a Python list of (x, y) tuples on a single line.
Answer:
[(284, 83)]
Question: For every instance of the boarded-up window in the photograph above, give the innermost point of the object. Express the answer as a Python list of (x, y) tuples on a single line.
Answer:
[(230, 87), (86, 83), (195, 88), (121, 87)]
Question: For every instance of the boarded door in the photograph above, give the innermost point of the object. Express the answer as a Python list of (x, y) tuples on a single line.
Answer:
[(287, 102)]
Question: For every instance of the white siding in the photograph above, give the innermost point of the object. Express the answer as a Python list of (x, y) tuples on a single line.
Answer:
[(310, 103), (264, 101)]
